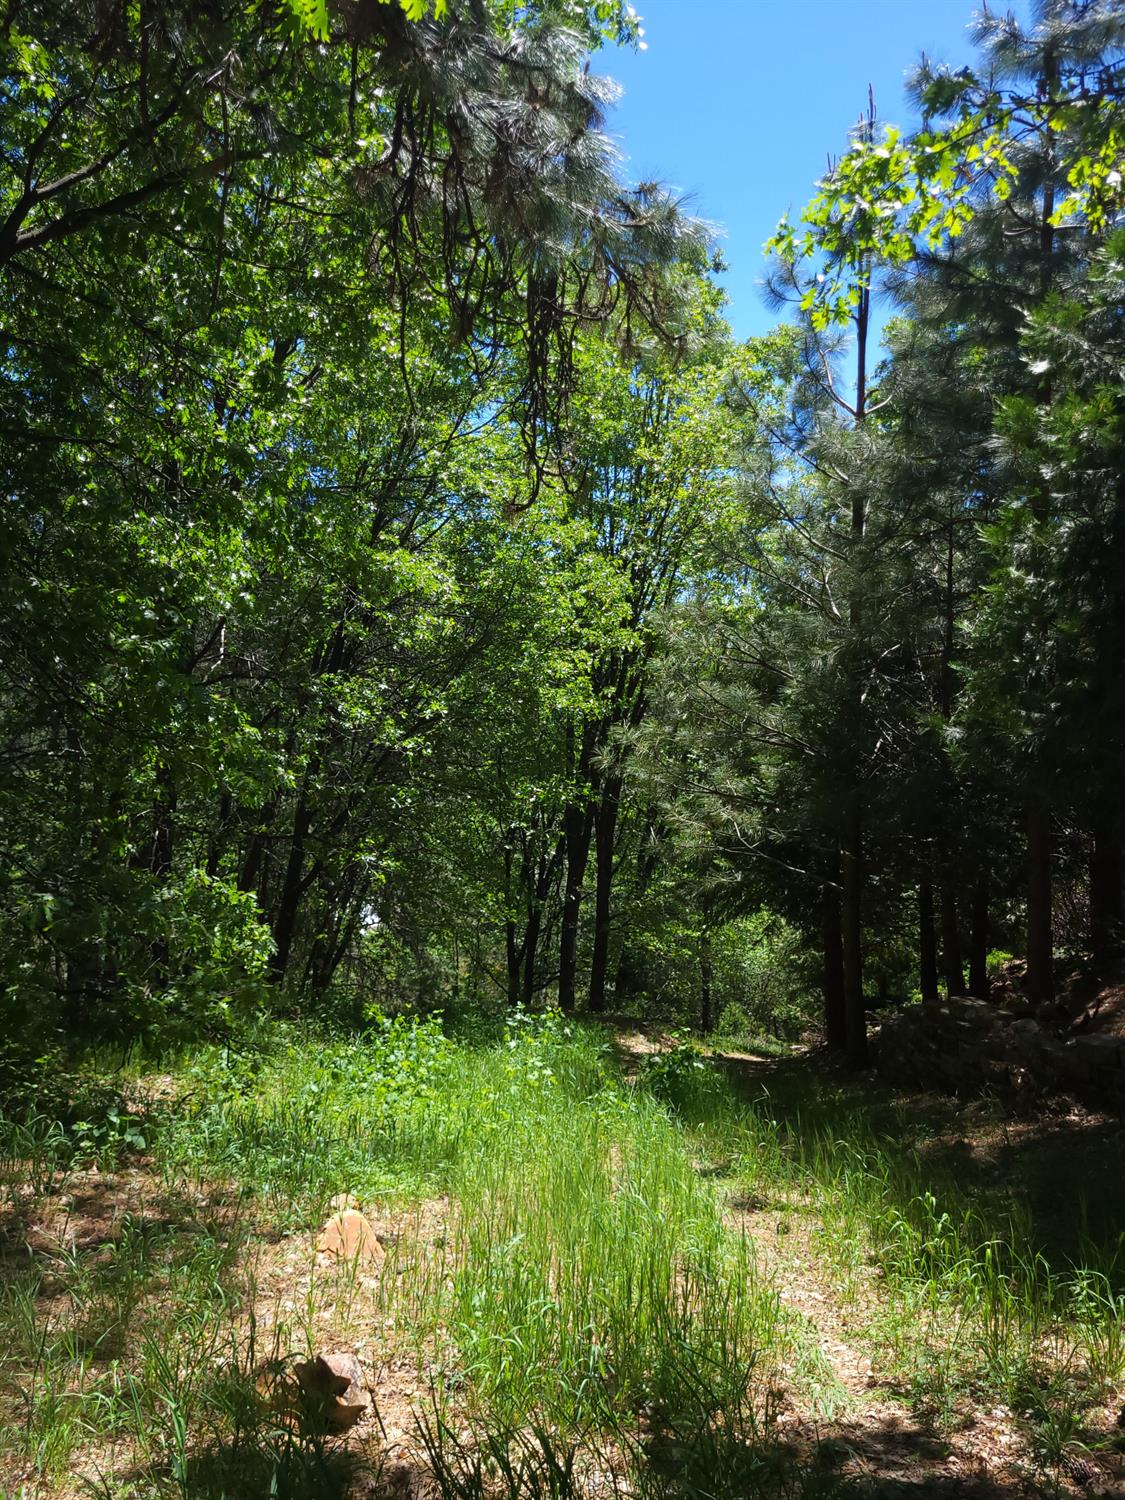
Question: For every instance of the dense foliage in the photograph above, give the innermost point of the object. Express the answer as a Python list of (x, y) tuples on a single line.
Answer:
[(412, 595)]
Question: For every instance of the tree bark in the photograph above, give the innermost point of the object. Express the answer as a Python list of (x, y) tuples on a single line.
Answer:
[(605, 838), (163, 831), (851, 852), (979, 984), (835, 1026), (927, 942), (578, 826), (1040, 934), (530, 950), (513, 951), (515, 963), (289, 901), (952, 966)]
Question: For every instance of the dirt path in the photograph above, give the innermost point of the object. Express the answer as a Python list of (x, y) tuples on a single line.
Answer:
[(840, 1407)]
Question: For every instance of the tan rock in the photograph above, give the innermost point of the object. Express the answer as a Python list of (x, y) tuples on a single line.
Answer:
[(348, 1236), (342, 1201)]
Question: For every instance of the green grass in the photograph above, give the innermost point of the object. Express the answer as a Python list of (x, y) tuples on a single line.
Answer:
[(587, 1287), (581, 1313), (969, 1288)]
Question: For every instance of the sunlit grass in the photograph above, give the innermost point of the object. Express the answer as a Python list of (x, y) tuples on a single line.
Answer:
[(587, 1284), (564, 1275)]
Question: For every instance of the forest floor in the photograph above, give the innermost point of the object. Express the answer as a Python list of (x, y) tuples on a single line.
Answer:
[(1064, 1159), (599, 1270)]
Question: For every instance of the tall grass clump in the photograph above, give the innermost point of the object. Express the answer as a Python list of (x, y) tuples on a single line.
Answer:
[(591, 1273), (587, 1278)]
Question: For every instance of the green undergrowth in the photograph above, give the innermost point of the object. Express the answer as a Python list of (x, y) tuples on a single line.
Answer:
[(583, 1313), (587, 1287)]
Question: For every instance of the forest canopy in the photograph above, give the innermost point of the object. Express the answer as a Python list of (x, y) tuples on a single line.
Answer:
[(415, 597)]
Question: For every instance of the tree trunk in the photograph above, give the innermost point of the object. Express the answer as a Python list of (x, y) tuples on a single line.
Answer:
[(851, 862), (1040, 936), (530, 949), (851, 913), (979, 984), (835, 1025), (605, 838), (515, 962), (163, 829), (512, 949), (578, 825), (1106, 877), (289, 901), (215, 847), (953, 968), (927, 942), (706, 1011)]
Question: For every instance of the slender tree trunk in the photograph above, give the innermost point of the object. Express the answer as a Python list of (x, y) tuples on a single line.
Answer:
[(605, 838), (515, 962), (1040, 935), (852, 842), (578, 826), (289, 901), (979, 984), (530, 950), (706, 974), (215, 845), (851, 845), (512, 949), (835, 1025), (927, 941), (952, 966)]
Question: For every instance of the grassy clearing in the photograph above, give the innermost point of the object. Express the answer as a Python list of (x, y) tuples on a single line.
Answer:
[(573, 1306), (587, 1289)]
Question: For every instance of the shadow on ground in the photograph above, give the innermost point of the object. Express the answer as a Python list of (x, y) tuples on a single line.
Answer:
[(1059, 1170)]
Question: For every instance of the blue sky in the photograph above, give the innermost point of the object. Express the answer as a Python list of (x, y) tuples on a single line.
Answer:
[(737, 103)]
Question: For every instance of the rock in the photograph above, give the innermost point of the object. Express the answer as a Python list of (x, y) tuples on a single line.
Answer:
[(348, 1236), (1103, 1051), (332, 1390), (342, 1201), (325, 1394)]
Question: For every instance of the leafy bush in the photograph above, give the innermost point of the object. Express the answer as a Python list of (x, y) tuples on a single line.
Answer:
[(681, 1077), (997, 960)]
